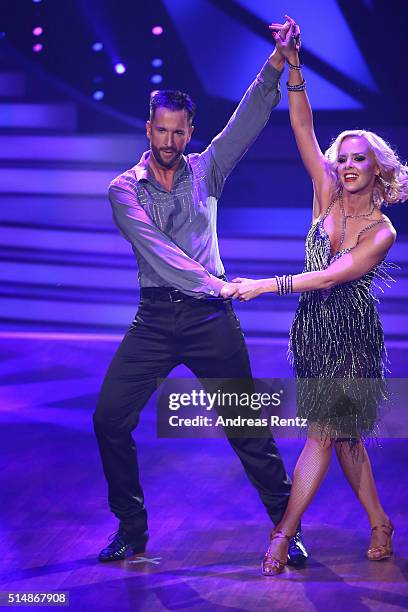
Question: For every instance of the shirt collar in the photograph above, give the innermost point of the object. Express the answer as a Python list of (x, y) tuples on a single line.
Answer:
[(142, 168)]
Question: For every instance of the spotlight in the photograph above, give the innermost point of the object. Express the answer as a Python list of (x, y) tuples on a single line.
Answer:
[(120, 68), (157, 62), (37, 47), (157, 30), (97, 46), (37, 1), (156, 78), (37, 31), (98, 94)]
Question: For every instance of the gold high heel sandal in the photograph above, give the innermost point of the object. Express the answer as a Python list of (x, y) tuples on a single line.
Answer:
[(382, 551), (271, 566)]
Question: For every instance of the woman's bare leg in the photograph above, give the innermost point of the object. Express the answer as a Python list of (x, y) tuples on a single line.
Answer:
[(356, 466)]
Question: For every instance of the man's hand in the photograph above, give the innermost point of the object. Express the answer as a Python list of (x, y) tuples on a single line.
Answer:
[(248, 289), (229, 290)]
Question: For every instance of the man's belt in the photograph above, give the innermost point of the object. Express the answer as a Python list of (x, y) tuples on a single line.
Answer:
[(170, 294), (164, 294)]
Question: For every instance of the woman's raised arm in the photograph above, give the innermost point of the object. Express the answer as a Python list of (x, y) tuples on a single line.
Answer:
[(301, 118)]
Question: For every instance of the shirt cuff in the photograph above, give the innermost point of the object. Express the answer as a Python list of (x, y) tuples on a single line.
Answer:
[(214, 286), (269, 75)]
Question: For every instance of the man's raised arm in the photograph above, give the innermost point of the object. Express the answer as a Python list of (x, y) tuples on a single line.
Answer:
[(248, 120)]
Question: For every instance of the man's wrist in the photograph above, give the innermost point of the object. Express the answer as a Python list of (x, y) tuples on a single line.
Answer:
[(215, 286), (220, 294), (277, 60)]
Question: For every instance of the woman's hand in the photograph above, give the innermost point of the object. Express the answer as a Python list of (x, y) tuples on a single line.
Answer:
[(248, 289), (287, 38)]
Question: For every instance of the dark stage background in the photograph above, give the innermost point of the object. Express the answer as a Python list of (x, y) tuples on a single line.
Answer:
[(70, 123)]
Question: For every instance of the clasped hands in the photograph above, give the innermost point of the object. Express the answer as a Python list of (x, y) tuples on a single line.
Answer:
[(244, 289), (287, 38)]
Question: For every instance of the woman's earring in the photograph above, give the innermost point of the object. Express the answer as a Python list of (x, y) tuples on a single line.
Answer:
[(383, 182)]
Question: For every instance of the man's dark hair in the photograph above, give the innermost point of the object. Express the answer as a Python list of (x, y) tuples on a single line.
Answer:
[(173, 100)]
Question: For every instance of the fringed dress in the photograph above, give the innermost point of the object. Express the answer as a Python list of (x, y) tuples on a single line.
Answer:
[(337, 346)]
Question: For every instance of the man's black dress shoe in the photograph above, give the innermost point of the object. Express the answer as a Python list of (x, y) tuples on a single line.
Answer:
[(297, 553), (122, 546)]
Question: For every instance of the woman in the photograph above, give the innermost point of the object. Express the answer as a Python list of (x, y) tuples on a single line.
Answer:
[(336, 336)]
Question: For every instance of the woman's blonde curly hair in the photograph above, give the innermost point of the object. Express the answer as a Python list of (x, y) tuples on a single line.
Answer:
[(391, 184)]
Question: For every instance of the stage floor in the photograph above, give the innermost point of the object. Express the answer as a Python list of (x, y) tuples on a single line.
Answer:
[(208, 528)]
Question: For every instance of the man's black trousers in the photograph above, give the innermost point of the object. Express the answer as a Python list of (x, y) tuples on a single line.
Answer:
[(206, 336)]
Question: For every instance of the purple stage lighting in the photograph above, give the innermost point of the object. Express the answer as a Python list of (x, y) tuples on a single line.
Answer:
[(157, 30), (97, 46), (37, 31), (37, 47), (157, 62), (120, 68), (98, 94), (156, 78), (37, 1)]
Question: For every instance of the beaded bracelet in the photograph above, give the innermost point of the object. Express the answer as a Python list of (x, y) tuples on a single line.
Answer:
[(284, 284), (300, 87), (293, 66)]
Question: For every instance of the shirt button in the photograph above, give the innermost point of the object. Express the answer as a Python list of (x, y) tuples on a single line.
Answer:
[(212, 292)]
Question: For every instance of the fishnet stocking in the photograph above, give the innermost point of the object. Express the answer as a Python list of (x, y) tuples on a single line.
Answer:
[(310, 470)]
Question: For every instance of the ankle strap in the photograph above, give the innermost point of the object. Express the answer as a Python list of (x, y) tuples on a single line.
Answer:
[(280, 534), (387, 526)]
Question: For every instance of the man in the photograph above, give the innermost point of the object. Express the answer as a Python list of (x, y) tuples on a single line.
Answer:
[(165, 206)]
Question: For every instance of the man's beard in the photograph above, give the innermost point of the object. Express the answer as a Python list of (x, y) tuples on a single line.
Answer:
[(173, 161)]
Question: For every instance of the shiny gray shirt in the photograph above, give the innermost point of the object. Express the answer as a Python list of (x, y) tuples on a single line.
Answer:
[(174, 233)]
